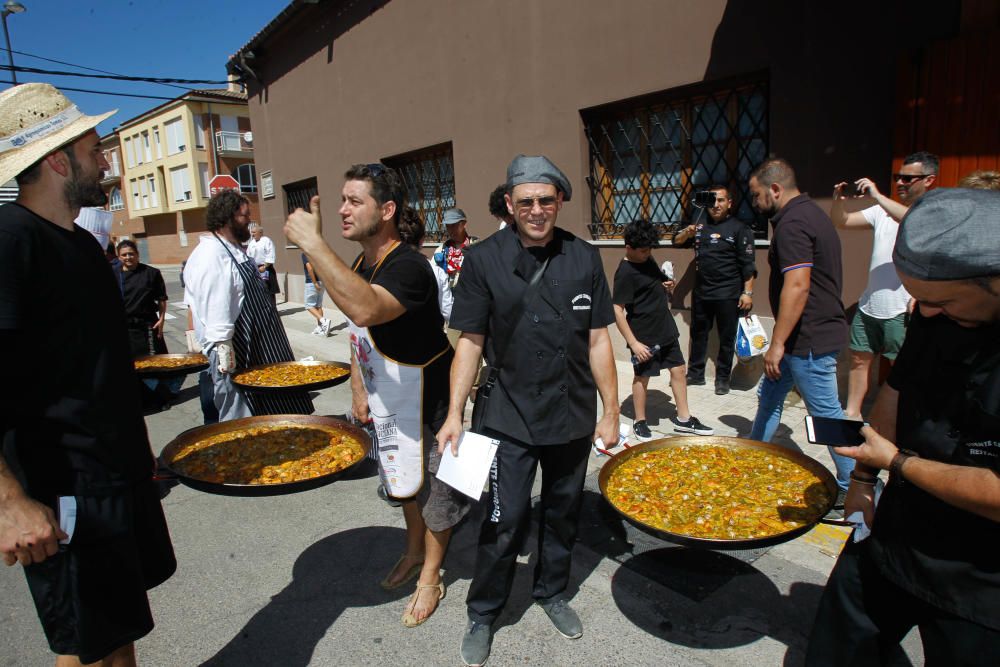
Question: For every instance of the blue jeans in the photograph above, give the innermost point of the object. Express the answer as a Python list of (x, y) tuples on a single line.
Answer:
[(816, 378)]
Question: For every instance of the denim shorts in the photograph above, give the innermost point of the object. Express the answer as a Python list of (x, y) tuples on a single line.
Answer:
[(313, 295)]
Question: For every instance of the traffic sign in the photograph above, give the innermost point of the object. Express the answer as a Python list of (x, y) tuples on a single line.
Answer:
[(222, 182)]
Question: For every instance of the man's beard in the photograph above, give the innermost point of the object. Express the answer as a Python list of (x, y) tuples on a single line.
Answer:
[(79, 193), (241, 234)]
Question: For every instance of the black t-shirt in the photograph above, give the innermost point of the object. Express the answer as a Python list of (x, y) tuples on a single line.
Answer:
[(804, 236), (639, 288), (546, 394), (71, 414), (948, 379), (417, 335), (142, 290), (724, 258)]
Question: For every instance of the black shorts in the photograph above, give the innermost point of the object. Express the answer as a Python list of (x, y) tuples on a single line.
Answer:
[(668, 356), (91, 595)]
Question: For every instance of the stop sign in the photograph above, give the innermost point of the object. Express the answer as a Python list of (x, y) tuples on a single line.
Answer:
[(222, 182)]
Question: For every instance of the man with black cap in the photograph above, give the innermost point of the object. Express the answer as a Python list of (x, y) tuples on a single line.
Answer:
[(73, 436), (535, 298), (931, 559)]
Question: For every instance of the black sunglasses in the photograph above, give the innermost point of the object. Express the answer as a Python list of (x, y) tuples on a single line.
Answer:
[(543, 202), (909, 178)]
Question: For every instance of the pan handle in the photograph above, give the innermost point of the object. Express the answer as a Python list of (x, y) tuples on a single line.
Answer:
[(164, 475)]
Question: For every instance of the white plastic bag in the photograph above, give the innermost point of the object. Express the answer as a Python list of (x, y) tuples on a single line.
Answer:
[(751, 339)]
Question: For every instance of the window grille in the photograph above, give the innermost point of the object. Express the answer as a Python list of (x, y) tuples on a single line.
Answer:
[(649, 155), (429, 176), (298, 194)]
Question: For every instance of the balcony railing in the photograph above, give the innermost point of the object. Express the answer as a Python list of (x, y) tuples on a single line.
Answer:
[(233, 142)]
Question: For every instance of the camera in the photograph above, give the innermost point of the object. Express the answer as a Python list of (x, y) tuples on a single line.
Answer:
[(704, 199)]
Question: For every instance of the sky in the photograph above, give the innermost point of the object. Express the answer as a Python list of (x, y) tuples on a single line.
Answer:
[(181, 39)]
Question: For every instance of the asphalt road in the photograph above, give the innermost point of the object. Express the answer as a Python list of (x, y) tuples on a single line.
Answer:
[(292, 580)]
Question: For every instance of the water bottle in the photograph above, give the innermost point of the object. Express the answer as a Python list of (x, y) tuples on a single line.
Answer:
[(653, 350), (600, 450)]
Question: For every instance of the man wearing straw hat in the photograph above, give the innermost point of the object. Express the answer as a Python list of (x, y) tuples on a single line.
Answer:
[(78, 507)]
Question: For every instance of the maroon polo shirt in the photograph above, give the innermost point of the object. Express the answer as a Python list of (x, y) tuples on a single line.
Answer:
[(804, 237)]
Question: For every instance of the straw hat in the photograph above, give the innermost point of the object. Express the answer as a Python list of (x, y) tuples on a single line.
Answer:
[(36, 119)]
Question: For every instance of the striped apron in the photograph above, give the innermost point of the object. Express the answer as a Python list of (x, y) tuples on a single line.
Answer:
[(260, 338)]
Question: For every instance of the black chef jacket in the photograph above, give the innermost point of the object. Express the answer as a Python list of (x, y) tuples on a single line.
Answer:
[(724, 260), (546, 393), (948, 379)]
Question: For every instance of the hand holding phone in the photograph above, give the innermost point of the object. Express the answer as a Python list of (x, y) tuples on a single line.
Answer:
[(834, 432)]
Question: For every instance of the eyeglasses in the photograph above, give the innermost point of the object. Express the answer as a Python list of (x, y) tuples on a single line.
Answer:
[(375, 169), (909, 178), (528, 203)]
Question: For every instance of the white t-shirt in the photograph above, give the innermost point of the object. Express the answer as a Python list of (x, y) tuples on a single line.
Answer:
[(261, 251), (884, 297)]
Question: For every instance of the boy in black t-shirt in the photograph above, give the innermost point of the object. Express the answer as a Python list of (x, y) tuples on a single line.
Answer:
[(642, 313)]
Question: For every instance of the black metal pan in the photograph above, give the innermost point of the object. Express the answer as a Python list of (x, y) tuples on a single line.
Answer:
[(178, 444), (713, 543), (298, 387), (199, 362)]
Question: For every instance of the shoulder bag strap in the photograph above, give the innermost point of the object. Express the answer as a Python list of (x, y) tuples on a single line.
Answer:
[(515, 315)]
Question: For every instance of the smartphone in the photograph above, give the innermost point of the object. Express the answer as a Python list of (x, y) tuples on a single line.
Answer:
[(850, 190), (836, 432)]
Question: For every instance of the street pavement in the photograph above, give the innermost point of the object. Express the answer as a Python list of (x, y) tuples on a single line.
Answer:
[(293, 580)]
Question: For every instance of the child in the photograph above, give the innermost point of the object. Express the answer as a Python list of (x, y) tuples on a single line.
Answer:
[(642, 313)]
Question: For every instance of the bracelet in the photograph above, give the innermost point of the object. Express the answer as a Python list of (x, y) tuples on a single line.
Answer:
[(862, 479), (896, 466)]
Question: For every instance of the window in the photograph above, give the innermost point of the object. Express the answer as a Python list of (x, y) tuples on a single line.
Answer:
[(180, 181), (144, 191), (176, 141), (298, 194), (156, 140), (115, 202), (429, 176), (154, 199), (135, 195), (649, 155), (145, 147), (199, 131), (203, 174), (138, 148), (116, 167), (129, 153), (246, 174), (229, 135)]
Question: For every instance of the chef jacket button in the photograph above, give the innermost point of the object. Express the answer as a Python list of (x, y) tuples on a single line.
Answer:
[(562, 388), (558, 316), (538, 354), (536, 319), (561, 352)]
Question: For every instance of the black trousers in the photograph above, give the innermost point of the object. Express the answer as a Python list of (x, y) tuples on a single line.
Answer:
[(703, 314), (564, 468), (862, 618)]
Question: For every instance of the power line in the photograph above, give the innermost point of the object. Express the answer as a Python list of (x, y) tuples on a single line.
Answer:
[(116, 77), (91, 69)]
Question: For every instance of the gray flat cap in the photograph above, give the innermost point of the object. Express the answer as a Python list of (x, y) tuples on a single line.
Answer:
[(454, 215), (950, 234), (538, 169)]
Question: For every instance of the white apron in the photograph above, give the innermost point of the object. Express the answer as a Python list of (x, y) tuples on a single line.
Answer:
[(395, 402)]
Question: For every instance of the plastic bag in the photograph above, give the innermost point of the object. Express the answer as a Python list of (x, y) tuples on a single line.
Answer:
[(751, 339)]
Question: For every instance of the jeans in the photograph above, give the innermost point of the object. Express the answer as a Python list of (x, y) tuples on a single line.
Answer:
[(816, 378)]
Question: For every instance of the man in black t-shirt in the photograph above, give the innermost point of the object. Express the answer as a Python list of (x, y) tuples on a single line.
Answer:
[(931, 559), (642, 313), (810, 327), (400, 358), (723, 287), (71, 424)]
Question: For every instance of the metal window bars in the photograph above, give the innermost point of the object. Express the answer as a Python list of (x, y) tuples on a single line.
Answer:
[(429, 177), (649, 155)]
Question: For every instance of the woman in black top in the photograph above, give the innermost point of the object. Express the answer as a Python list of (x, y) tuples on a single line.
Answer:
[(145, 297)]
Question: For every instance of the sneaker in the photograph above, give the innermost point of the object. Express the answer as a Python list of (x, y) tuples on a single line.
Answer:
[(692, 425), (721, 387), (836, 513), (391, 502), (324, 325), (641, 430), (318, 331), (564, 618), (476, 643), (695, 382)]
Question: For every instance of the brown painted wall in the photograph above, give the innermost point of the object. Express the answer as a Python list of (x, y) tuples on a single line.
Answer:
[(501, 77)]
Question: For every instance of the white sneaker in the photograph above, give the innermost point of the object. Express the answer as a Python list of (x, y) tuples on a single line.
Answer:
[(318, 331), (325, 326)]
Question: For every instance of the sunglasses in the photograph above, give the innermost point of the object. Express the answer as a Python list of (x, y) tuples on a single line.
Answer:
[(906, 179), (375, 169), (528, 203)]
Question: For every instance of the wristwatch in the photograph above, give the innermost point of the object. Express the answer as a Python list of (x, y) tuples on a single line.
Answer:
[(896, 465), (747, 293)]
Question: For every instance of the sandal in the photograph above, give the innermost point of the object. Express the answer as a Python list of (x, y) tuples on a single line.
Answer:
[(388, 585), (411, 621)]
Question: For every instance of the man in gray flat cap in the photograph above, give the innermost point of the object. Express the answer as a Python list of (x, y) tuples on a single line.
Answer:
[(535, 298), (931, 559), (450, 254)]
